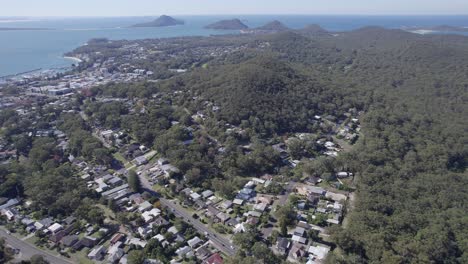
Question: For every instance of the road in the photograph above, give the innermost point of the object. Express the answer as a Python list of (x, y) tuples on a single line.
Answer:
[(27, 250), (94, 133), (217, 240)]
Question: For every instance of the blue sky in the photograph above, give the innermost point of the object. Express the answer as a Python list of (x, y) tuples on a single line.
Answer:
[(201, 7)]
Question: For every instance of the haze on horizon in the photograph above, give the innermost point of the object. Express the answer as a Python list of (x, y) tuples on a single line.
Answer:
[(83, 8)]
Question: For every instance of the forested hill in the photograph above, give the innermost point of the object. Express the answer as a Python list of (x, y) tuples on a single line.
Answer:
[(411, 201), (411, 158)]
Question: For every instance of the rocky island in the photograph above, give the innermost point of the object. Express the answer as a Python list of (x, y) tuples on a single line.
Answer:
[(230, 24), (273, 26), (162, 21)]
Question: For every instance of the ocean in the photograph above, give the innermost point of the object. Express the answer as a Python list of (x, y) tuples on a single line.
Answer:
[(27, 50)]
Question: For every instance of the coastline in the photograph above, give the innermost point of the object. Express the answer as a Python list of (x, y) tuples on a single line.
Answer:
[(73, 59), (423, 31), (19, 74)]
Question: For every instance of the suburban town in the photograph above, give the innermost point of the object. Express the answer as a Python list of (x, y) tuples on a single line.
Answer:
[(230, 132), (160, 209)]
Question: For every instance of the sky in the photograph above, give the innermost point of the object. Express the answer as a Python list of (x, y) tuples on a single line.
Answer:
[(224, 7)]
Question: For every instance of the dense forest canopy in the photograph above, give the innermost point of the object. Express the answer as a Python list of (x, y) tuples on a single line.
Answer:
[(411, 205)]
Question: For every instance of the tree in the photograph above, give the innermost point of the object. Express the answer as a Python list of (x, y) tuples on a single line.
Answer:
[(134, 181), (244, 240), (5, 254), (261, 252), (136, 257), (38, 259), (295, 148), (287, 214), (95, 216), (283, 227)]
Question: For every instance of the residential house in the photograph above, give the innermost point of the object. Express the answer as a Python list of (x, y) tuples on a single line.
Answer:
[(194, 242), (160, 221), (319, 251), (207, 194), (297, 252), (223, 217), (238, 202), (282, 245), (118, 237), (299, 231), (145, 230), (260, 207), (214, 259), (141, 160), (55, 228), (226, 204), (299, 239), (115, 253), (173, 230), (145, 206), (148, 216), (97, 254), (245, 194), (336, 196), (69, 241), (183, 251), (195, 196), (202, 252)]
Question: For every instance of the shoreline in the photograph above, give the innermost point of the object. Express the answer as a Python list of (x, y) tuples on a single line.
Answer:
[(19, 74), (73, 59), (423, 31)]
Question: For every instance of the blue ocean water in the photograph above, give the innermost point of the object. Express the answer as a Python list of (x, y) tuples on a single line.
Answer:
[(22, 51)]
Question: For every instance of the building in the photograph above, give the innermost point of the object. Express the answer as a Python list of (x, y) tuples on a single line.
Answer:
[(55, 228), (97, 253), (214, 259), (194, 242), (282, 245), (141, 160), (319, 251)]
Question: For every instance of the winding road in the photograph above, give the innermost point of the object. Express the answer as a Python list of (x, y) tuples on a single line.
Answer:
[(217, 240)]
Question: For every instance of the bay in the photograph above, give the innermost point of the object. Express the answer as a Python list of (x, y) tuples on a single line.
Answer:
[(26, 50)]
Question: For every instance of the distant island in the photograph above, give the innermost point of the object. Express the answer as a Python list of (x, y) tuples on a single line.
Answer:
[(314, 28), (162, 21), (274, 26), (230, 24), (15, 29), (270, 27), (441, 28)]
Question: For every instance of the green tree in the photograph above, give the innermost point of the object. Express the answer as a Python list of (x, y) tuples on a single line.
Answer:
[(38, 259), (134, 181), (136, 257)]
